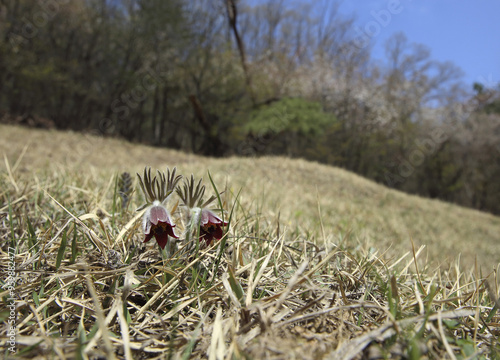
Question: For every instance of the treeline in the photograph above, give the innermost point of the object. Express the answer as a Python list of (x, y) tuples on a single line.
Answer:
[(223, 77)]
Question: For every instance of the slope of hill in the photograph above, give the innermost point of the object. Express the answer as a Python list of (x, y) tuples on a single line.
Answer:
[(324, 200), (314, 262)]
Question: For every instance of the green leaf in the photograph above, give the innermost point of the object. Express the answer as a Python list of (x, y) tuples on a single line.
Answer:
[(451, 323), (29, 348), (31, 236), (467, 346), (236, 287), (36, 299), (74, 247), (60, 252), (82, 339), (11, 223), (126, 313)]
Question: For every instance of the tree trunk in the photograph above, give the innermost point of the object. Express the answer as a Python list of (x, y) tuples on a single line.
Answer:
[(232, 14)]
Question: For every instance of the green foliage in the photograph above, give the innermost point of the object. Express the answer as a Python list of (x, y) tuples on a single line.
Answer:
[(292, 115), (493, 107), (292, 126)]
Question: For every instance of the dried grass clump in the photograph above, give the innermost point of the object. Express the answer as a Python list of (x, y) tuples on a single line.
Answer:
[(87, 287)]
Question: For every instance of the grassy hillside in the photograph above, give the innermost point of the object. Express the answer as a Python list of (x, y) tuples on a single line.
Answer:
[(319, 262), (377, 217)]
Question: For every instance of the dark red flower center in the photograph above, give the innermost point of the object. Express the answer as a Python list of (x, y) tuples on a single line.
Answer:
[(210, 231), (160, 228)]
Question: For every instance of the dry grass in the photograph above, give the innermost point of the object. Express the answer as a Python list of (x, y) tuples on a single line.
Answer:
[(306, 272), (386, 220)]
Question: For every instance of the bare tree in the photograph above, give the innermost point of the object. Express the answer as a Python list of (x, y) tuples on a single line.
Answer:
[(232, 15)]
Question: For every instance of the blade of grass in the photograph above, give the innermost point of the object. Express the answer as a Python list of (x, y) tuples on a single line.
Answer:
[(194, 337), (91, 235), (31, 235), (353, 347), (113, 208), (74, 246), (62, 248), (101, 321), (124, 328), (11, 224), (10, 173)]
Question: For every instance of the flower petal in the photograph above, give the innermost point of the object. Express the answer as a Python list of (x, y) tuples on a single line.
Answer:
[(217, 232), (162, 239), (205, 217), (159, 213), (146, 224), (148, 237), (170, 231), (209, 217)]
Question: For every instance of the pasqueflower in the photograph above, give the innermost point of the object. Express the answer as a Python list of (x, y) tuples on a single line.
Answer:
[(201, 220), (210, 226), (157, 221)]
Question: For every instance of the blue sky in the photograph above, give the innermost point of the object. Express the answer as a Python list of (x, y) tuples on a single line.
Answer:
[(464, 32)]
